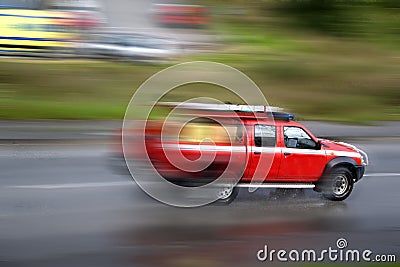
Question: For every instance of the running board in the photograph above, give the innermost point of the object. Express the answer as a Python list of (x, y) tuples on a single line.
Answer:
[(277, 185)]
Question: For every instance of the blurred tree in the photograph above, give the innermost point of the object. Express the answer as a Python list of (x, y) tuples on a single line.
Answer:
[(375, 19)]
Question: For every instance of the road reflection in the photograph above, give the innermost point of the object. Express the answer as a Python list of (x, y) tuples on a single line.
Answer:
[(231, 235)]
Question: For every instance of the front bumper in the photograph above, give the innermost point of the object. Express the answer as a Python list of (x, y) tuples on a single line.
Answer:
[(359, 172)]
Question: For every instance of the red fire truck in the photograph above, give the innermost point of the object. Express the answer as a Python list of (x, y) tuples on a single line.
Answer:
[(267, 148)]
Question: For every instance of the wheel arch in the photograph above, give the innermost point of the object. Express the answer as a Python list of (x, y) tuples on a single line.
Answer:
[(342, 162), (325, 184)]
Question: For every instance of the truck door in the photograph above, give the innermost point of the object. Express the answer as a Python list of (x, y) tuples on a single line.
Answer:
[(263, 161), (302, 158)]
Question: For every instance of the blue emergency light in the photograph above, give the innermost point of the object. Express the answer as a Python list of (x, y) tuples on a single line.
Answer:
[(283, 116)]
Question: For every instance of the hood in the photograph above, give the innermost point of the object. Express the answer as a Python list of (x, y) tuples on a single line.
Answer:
[(340, 146), (344, 147)]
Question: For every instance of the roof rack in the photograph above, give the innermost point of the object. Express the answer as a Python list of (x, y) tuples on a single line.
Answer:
[(277, 112)]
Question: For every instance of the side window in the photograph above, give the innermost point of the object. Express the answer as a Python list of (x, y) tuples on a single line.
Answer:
[(296, 137), (264, 135)]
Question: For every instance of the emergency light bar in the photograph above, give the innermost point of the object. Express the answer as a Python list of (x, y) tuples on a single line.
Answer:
[(277, 112), (283, 116)]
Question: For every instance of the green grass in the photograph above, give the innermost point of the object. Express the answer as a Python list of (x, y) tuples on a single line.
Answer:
[(327, 87), (316, 90), (33, 89), (317, 77)]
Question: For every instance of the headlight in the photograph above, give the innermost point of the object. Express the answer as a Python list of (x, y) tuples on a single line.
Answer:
[(364, 157), (362, 160)]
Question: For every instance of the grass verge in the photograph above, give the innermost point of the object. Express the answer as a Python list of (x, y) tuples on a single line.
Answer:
[(319, 78)]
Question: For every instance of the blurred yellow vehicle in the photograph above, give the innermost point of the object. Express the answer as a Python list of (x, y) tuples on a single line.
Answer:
[(24, 31)]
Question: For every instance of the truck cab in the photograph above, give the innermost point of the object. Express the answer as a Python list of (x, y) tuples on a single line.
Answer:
[(298, 155)]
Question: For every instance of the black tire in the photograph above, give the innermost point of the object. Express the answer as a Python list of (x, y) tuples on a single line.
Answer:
[(229, 199), (337, 184)]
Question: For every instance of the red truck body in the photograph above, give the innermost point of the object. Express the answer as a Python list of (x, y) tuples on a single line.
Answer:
[(288, 164), (260, 149)]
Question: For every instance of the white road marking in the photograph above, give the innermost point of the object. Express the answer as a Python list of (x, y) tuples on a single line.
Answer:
[(129, 183), (381, 174), (72, 185)]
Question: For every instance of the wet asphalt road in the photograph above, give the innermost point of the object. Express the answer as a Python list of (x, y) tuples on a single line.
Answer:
[(61, 205)]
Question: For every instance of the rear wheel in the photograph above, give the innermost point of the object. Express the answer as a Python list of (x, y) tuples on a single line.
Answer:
[(337, 184), (227, 194)]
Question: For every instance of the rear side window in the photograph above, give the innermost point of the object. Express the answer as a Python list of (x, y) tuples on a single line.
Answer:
[(264, 135), (203, 130)]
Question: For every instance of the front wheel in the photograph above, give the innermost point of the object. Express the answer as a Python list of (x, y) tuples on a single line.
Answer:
[(337, 184)]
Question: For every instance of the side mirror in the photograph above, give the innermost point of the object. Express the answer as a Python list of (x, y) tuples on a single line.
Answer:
[(318, 146)]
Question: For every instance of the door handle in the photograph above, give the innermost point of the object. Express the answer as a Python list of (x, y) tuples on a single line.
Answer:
[(257, 153), (287, 153)]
